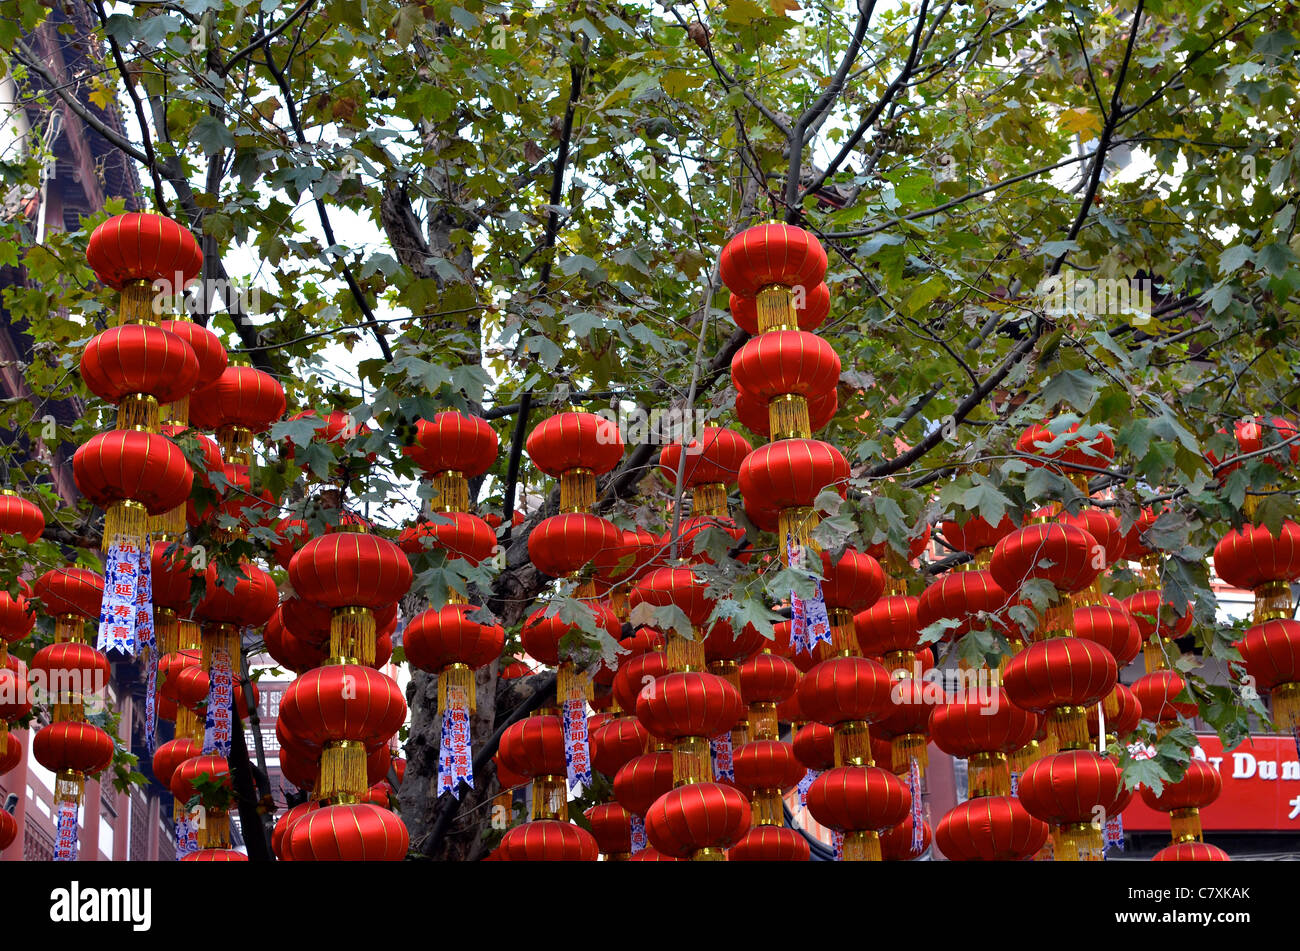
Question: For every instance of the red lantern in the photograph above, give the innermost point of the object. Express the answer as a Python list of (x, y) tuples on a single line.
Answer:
[(1253, 558), (853, 582), (861, 801), (712, 459), (11, 754), (569, 441), (1271, 653), (889, 629), (1157, 693), (142, 360), (1072, 452), (983, 731), (547, 840), (209, 352), (1183, 800), (611, 828), (772, 254), (72, 750), (1064, 555), (1191, 852), (792, 472), (692, 704), (975, 535), (451, 644), (562, 544), (357, 832), (972, 599), (138, 247), (130, 474), (459, 534), (170, 755), (1254, 435), (1112, 626), (990, 829), (1070, 791), (770, 844), (18, 516), (785, 363), (616, 742), (642, 780), (1060, 677), (845, 689), (454, 442), (698, 820), (72, 596)]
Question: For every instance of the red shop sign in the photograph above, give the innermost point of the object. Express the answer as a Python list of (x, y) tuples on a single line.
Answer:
[(1261, 788)]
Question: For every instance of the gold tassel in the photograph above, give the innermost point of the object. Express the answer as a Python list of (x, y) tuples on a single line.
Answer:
[(1088, 597), (214, 831), (191, 635), (787, 417), (1272, 601), (1069, 727), (1077, 842), (176, 413), (709, 855), (550, 798), (908, 747), (126, 522), (853, 743), (728, 670), (988, 774), (739, 734), (135, 305), (167, 628), (139, 412), (692, 761), (763, 721), (352, 635), (685, 653), (861, 845), (1056, 622), (765, 808), (709, 499), (188, 724), (1286, 706), (4, 653), (577, 491), (798, 524), (452, 492), (69, 786), (236, 445), (1185, 824), (572, 684), (225, 637), (1023, 758), (618, 603), (169, 526), (457, 679), (774, 307), (4, 736), (1110, 705), (343, 768), (844, 640), (1153, 652), (901, 664)]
